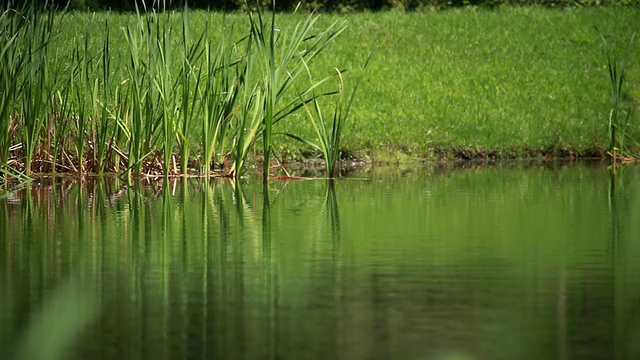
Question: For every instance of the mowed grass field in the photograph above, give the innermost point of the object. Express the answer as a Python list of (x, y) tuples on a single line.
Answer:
[(511, 82)]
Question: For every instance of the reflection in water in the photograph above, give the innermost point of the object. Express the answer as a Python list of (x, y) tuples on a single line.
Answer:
[(467, 263), (332, 210), (623, 209)]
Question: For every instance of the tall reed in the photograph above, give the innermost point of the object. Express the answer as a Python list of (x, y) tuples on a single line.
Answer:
[(220, 98), (329, 133), (160, 40), (282, 65), (82, 61), (188, 82), (36, 34), (137, 92), (144, 120), (91, 87), (172, 96), (178, 91), (59, 126), (103, 132), (12, 27), (249, 119), (618, 117)]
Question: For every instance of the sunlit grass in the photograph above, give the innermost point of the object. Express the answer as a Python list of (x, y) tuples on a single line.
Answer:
[(513, 82), (281, 61), (178, 93), (141, 102), (35, 81), (619, 116), (329, 132), (223, 84)]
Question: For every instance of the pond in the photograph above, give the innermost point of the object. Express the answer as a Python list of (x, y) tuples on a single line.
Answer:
[(512, 261)]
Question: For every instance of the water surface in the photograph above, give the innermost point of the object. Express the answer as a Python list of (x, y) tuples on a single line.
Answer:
[(513, 261)]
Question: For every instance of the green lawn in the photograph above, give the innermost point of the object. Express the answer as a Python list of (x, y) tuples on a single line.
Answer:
[(515, 80), (512, 82), (465, 83)]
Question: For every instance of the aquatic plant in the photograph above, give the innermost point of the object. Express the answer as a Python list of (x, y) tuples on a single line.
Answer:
[(281, 66), (188, 82), (139, 122), (248, 125), (329, 133), (226, 79), (618, 117), (103, 132), (35, 35), (12, 58), (81, 85), (223, 82), (533, 95)]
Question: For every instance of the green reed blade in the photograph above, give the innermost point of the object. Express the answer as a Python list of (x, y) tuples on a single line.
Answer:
[(282, 65), (328, 142), (220, 96), (12, 60), (35, 100)]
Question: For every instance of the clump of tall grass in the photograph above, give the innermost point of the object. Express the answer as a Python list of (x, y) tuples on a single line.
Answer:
[(182, 103), (222, 86), (282, 59), (33, 38), (618, 117), (329, 132), (242, 95), (12, 58)]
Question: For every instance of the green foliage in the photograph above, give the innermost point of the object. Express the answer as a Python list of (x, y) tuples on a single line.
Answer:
[(36, 34), (521, 82), (281, 67), (329, 134), (223, 83), (346, 5), (12, 58), (513, 82), (140, 124), (618, 117)]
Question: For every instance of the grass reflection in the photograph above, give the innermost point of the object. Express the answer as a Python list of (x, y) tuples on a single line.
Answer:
[(428, 264)]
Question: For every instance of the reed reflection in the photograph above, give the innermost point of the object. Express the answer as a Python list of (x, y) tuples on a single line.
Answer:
[(405, 267), (333, 211)]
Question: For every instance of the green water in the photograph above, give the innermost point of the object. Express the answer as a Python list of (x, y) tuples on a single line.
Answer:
[(508, 262)]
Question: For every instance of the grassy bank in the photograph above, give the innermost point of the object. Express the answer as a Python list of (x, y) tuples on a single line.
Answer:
[(513, 82)]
